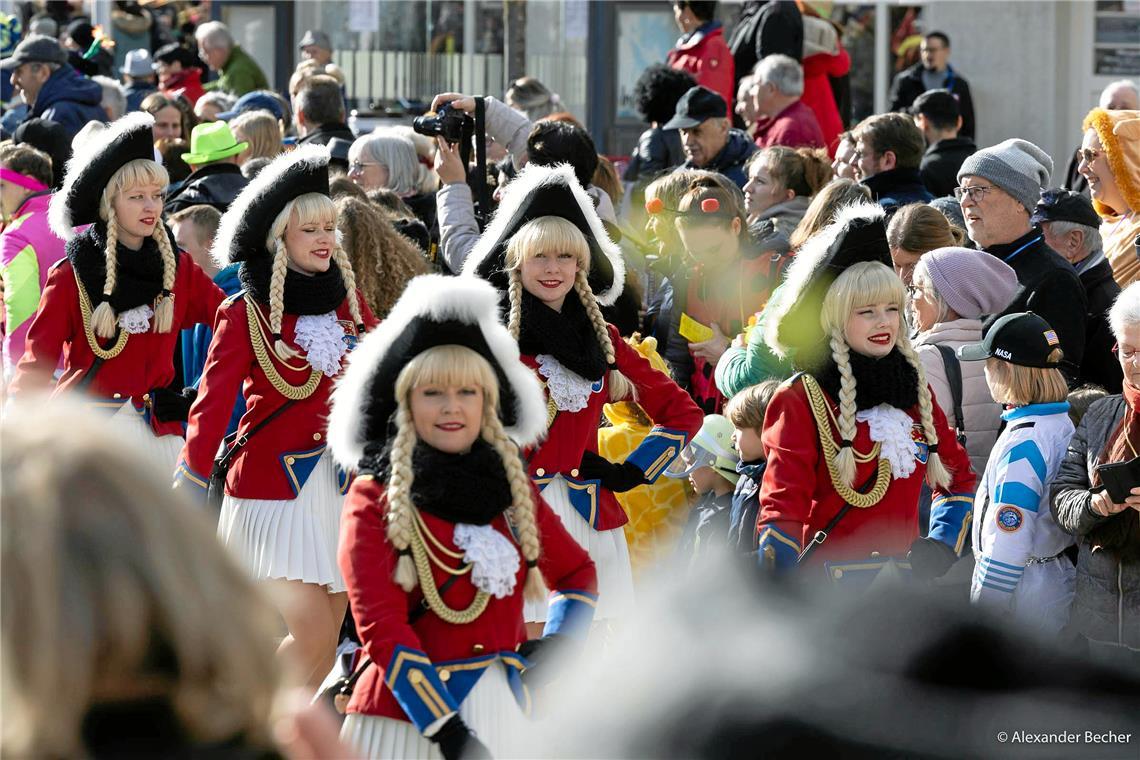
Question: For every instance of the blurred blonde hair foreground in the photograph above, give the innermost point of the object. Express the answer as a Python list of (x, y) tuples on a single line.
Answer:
[(116, 591)]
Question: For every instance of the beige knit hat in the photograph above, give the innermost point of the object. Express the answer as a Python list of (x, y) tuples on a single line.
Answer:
[(1119, 133)]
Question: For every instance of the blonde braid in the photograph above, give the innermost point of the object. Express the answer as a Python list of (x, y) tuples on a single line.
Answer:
[(349, 278), (845, 460), (104, 320), (937, 475), (620, 387), (400, 499), (514, 297), (522, 504), (164, 311), (277, 302)]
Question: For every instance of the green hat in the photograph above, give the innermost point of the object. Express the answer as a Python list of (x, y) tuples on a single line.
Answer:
[(211, 142)]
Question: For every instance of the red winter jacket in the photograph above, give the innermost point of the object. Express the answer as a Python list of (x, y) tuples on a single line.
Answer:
[(818, 95), (423, 670), (706, 56), (280, 457), (187, 83), (147, 360), (676, 419)]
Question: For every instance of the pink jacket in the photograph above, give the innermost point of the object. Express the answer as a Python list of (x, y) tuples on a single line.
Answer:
[(28, 249)]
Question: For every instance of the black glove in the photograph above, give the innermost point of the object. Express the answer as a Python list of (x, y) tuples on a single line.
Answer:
[(456, 741), (538, 652), (171, 406), (618, 478), (930, 558)]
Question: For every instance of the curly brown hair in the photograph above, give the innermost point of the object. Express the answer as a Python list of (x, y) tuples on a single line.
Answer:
[(383, 259)]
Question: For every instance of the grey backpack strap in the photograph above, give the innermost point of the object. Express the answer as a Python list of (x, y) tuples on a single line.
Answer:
[(954, 376)]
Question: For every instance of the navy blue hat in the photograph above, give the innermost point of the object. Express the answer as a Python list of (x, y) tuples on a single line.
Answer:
[(254, 101), (1061, 205), (695, 106), (1023, 338)]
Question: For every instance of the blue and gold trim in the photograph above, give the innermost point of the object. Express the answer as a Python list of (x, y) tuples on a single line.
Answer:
[(570, 613), (583, 495), (950, 518), (183, 475), (858, 575), (343, 480), (417, 686), (654, 454), (460, 676), (299, 465), (777, 549)]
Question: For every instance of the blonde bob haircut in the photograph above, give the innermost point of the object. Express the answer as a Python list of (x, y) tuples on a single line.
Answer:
[(114, 589), (1016, 385), (871, 282), (553, 234), (136, 173), (311, 208), (261, 130), (453, 365)]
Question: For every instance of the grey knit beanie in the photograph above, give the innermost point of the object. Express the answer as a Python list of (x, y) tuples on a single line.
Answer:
[(972, 283), (1016, 166)]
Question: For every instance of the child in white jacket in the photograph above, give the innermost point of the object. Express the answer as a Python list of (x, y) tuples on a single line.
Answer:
[(1018, 548)]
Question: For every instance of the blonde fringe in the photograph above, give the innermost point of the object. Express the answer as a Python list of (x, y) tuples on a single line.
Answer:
[(522, 509), (937, 475), (845, 459), (277, 302), (400, 507)]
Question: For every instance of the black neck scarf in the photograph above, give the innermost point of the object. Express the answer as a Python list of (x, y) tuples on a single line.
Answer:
[(138, 274), (568, 335), (304, 294), (890, 380), (467, 488)]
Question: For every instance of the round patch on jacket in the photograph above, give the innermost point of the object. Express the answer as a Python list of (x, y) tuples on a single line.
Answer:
[(1009, 519), (922, 449)]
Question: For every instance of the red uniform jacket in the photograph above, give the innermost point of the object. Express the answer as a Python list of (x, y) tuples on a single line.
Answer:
[(797, 497), (675, 418), (280, 457), (422, 671), (146, 362), (706, 56)]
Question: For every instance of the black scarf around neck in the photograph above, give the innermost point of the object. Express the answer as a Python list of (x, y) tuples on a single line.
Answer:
[(467, 488), (567, 335), (304, 294), (890, 380), (138, 274)]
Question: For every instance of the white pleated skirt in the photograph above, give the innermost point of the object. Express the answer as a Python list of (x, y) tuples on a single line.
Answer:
[(608, 549), (490, 711), (163, 449), (292, 539)]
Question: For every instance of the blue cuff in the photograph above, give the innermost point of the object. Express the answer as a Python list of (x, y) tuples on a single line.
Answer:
[(777, 549), (657, 451), (195, 483), (414, 683), (570, 613), (950, 517)]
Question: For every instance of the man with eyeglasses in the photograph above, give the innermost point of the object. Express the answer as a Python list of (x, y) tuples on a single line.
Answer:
[(934, 72), (998, 189)]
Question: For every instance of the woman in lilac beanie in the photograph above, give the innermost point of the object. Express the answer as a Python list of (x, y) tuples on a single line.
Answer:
[(953, 290)]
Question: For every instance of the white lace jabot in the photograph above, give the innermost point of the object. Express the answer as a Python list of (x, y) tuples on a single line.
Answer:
[(891, 427), (321, 337), (136, 320), (569, 390), (494, 559)]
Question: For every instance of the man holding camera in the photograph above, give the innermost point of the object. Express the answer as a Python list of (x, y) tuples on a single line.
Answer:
[(546, 143)]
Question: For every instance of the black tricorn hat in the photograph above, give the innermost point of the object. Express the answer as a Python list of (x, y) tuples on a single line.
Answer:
[(548, 191), (792, 323), (91, 167), (434, 310), (245, 225)]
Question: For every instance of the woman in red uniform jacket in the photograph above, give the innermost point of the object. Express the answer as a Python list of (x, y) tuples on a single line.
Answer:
[(547, 249), (851, 440), (281, 341), (443, 528), (113, 308)]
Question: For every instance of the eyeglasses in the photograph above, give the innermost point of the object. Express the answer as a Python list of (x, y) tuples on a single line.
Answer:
[(356, 167), (1088, 155), (975, 193), (915, 291), (1126, 354)]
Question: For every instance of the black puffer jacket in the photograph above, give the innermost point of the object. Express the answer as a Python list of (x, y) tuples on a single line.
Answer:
[(214, 185), (1106, 607)]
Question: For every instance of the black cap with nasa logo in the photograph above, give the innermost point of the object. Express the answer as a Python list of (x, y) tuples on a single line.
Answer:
[(1023, 338)]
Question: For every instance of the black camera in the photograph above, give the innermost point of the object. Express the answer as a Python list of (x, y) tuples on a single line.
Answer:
[(451, 124)]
